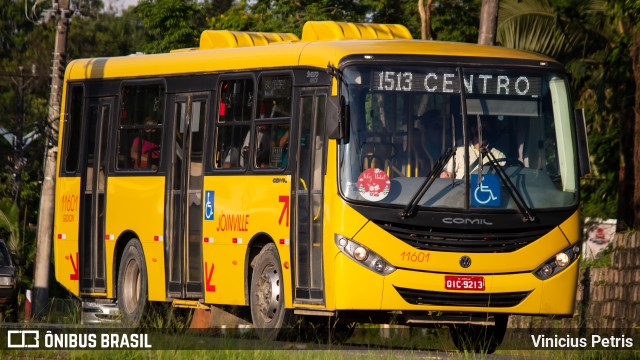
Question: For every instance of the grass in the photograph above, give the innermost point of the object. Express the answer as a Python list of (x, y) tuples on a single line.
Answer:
[(368, 342), (316, 354)]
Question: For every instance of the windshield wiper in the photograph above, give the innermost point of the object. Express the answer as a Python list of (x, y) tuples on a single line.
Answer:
[(412, 206), (527, 215)]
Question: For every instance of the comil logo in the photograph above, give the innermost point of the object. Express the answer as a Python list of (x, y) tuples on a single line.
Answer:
[(23, 339), (466, 221)]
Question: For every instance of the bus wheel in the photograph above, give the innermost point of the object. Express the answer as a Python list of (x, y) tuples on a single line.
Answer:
[(480, 338), (267, 295), (132, 284)]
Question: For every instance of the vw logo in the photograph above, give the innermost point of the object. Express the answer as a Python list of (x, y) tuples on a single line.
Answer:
[(465, 261)]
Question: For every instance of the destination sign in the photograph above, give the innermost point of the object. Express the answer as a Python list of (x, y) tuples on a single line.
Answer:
[(276, 86), (445, 81)]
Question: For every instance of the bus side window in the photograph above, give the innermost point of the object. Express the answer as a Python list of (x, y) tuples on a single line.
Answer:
[(273, 114), (272, 145), (73, 125), (229, 146), (233, 124), (140, 127)]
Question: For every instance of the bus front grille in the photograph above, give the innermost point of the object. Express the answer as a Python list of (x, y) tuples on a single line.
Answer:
[(424, 297), (460, 240)]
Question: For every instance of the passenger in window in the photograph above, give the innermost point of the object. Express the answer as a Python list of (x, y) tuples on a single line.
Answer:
[(145, 152), (280, 151), (277, 111), (232, 158), (479, 138), (264, 144)]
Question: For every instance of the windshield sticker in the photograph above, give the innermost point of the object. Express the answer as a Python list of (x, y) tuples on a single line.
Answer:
[(487, 191), (373, 184)]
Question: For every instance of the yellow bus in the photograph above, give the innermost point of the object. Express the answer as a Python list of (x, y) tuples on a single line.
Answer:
[(353, 174)]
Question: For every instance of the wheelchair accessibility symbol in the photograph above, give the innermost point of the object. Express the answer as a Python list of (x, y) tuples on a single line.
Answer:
[(208, 205), (485, 192)]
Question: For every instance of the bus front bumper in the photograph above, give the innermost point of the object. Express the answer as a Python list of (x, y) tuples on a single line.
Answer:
[(405, 289)]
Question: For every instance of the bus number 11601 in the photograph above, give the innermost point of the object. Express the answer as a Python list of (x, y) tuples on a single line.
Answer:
[(415, 256)]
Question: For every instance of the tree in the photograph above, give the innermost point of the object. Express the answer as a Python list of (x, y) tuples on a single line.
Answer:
[(107, 34), (451, 20), (20, 241), (580, 35), (425, 20), (488, 22), (171, 24), (286, 16), (635, 61), (626, 14)]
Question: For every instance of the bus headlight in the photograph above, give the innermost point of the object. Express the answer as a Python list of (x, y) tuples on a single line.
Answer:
[(363, 255), (557, 263), (360, 253), (562, 259)]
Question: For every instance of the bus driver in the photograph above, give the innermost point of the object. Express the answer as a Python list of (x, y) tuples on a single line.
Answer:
[(477, 140)]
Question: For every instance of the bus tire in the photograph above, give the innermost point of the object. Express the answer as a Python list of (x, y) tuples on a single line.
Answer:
[(268, 313), (132, 284), (480, 338)]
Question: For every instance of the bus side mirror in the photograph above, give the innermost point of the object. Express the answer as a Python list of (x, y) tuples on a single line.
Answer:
[(338, 118), (333, 118), (583, 146)]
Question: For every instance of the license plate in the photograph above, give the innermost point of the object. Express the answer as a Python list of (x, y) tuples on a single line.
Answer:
[(472, 283)]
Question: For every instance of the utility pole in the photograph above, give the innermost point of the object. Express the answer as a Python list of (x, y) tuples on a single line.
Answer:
[(45, 214)]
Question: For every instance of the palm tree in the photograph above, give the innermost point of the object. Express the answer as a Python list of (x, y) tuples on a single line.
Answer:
[(581, 35), (547, 28)]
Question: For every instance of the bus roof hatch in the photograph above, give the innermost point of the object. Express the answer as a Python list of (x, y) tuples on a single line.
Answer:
[(219, 39), (333, 30)]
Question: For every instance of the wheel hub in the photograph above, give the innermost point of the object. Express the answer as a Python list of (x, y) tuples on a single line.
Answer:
[(132, 286), (269, 292)]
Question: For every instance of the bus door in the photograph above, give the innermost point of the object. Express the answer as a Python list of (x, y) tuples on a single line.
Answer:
[(91, 262), (184, 200), (309, 197)]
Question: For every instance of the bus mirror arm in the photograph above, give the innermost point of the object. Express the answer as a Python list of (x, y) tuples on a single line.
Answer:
[(342, 115)]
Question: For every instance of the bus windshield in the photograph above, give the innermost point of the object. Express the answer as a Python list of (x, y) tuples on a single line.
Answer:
[(404, 120)]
